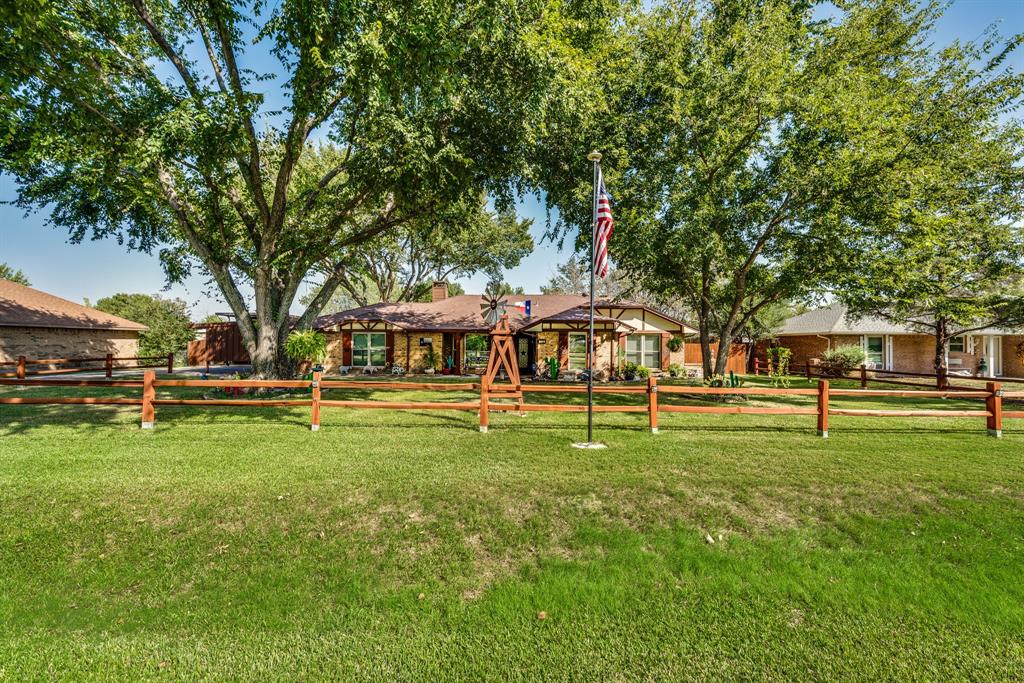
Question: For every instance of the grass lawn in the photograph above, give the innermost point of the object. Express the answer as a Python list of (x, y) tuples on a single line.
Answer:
[(234, 543)]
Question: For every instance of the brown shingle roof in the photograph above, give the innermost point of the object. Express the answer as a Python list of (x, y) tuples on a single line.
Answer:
[(22, 306), (462, 312)]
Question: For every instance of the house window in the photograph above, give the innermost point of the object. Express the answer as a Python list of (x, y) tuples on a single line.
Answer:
[(577, 351), (957, 345), (874, 351), (369, 349), (644, 349)]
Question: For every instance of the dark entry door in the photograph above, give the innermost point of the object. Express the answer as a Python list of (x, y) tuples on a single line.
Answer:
[(525, 352)]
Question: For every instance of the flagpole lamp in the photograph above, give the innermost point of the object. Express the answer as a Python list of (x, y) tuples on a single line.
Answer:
[(595, 158)]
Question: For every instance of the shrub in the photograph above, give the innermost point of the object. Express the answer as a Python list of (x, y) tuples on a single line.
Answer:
[(778, 365), (629, 370), (306, 345), (842, 360), (642, 372), (676, 370)]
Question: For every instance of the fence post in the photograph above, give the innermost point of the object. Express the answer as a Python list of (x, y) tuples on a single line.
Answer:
[(21, 367), (484, 400), (652, 402), (823, 408), (315, 418), (994, 406), (807, 367), (757, 365), (148, 394), (109, 365), (863, 376), (170, 364), (207, 367)]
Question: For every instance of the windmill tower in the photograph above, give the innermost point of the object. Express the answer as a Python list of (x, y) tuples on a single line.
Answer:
[(502, 357)]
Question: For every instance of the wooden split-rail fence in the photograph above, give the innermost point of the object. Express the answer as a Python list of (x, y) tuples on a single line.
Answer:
[(505, 397), (27, 367)]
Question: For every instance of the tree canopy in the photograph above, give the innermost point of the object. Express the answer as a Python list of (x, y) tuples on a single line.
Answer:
[(744, 142), (14, 275), (170, 328), (261, 142)]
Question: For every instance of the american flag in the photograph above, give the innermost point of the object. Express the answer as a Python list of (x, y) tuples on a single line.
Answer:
[(604, 227)]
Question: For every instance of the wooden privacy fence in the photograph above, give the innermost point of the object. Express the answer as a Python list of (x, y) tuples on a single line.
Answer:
[(110, 363), (507, 397)]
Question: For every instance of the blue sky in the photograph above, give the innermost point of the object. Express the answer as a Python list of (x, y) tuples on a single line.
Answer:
[(95, 269)]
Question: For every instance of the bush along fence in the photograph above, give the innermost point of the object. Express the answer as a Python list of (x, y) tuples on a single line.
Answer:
[(109, 363), (510, 398)]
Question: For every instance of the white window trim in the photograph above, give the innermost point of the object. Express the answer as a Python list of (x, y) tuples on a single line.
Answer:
[(370, 349), (886, 349), (643, 354), (569, 353)]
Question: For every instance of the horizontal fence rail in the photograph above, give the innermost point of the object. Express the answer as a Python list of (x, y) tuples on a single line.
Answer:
[(865, 374), (110, 363), (498, 397)]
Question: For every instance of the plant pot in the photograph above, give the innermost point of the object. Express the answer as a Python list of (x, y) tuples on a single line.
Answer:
[(428, 371)]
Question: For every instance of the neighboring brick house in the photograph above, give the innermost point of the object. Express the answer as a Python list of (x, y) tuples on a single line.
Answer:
[(895, 347), (38, 325), (401, 333)]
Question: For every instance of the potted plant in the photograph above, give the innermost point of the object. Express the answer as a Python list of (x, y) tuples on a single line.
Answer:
[(449, 366), (307, 348), (429, 360), (629, 371), (675, 343)]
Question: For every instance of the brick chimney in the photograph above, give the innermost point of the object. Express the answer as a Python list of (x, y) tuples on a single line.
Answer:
[(439, 290)]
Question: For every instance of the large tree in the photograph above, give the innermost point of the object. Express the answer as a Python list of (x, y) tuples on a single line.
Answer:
[(943, 251), (740, 137), (402, 265), (262, 141), (170, 329)]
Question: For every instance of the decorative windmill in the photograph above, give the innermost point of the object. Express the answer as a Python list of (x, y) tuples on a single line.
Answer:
[(503, 351), (492, 305)]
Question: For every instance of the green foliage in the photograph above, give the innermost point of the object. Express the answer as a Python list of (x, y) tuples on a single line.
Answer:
[(430, 358), (170, 328), (643, 372), (744, 143), (143, 122), (778, 358), (676, 370), (630, 370), (675, 343), (14, 275), (842, 360), (306, 345)]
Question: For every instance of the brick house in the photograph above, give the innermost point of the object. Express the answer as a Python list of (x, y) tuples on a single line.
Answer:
[(38, 325), (388, 334), (895, 347)]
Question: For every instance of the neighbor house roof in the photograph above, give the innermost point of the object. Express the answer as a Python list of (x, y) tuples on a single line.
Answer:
[(462, 313), (22, 306), (834, 320)]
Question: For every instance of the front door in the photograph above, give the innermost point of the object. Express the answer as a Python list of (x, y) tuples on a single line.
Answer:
[(524, 352)]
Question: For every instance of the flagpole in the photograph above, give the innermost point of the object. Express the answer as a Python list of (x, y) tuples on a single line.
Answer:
[(595, 157)]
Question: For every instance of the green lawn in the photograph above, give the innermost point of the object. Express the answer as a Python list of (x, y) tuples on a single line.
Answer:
[(234, 543)]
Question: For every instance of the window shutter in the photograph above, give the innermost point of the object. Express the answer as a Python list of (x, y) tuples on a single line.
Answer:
[(563, 349), (346, 348), (389, 347), (664, 350)]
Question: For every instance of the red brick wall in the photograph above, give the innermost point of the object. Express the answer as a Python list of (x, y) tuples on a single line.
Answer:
[(1013, 365)]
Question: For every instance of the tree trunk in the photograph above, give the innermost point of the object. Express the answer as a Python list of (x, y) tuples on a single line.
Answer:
[(722, 357), (939, 363)]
